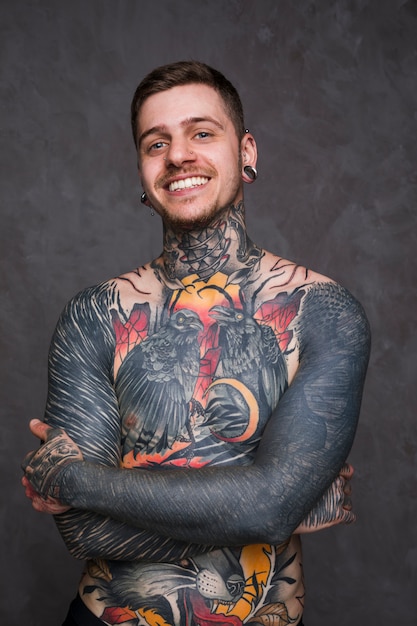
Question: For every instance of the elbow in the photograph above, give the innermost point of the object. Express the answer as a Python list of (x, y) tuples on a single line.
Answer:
[(78, 549), (273, 530), (78, 552), (78, 538), (83, 551), (266, 520), (268, 531)]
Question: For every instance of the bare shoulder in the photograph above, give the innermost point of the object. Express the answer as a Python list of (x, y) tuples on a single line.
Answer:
[(281, 275), (285, 275), (96, 305), (137, 287), (327, 313)]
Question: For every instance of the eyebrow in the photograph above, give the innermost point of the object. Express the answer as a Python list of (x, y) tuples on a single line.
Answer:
[(189, 121)]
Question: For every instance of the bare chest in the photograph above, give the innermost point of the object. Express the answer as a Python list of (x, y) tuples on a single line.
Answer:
[(198, 374)]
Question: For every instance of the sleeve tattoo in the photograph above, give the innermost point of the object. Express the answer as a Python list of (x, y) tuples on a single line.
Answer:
[(81, 400)]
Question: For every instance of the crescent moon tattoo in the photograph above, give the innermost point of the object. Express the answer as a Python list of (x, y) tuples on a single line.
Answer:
[(250, 401)]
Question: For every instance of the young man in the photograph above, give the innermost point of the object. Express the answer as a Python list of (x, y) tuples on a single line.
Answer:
[(201, 408)]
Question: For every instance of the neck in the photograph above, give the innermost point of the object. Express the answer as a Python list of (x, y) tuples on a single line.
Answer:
[(222, 245)]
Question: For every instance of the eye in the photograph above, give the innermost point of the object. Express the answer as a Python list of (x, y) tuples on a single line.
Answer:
[(158, 145), (203, 134)]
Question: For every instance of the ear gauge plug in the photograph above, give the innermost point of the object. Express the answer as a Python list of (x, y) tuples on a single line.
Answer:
[(144, 200), (250, 172)]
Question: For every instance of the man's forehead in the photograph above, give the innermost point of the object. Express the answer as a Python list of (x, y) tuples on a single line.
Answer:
[(178, 105)]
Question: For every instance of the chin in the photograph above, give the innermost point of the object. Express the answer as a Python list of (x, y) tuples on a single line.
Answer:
[(191, 223), (194, 220)]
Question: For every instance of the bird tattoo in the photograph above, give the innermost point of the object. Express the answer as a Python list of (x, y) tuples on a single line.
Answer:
[(250, 354), (155, 385)]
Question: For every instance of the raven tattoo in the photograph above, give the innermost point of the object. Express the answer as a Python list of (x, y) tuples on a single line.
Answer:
[(155, 385)]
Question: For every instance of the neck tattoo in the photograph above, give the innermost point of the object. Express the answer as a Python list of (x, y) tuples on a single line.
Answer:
[(210, 249)]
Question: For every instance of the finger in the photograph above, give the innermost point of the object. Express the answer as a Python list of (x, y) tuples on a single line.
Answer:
[(39, 429), (349, 517), (26, 483), (339, 493), (29, 490), (27, 460), (347, 489), (40, 505), (347, 504), (48, 505), (347, 471)]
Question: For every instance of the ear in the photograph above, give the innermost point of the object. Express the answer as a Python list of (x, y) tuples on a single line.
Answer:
[(249, 154), (143, 198), (139, 171)]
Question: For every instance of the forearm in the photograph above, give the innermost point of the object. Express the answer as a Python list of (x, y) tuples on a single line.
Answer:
[(88, 535), (208, 506)]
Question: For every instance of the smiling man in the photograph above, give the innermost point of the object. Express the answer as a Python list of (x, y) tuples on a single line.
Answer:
[(201, 408), (203, 155)]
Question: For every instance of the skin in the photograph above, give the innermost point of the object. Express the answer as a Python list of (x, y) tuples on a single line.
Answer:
[(292, 477), (172, 146)]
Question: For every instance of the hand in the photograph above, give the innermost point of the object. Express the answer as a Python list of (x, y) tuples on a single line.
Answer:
[(334, 507), (43, 505), (43, 467)]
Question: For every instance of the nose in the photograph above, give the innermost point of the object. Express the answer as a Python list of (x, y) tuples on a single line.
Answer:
[(179, 152)]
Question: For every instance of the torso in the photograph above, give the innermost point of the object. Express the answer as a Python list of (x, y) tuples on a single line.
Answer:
[(212, 358)]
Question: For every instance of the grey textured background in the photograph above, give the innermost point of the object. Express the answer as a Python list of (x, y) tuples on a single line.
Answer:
[(330, 90)]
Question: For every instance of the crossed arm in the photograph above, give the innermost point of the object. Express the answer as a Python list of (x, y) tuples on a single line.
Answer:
[(167, 514)]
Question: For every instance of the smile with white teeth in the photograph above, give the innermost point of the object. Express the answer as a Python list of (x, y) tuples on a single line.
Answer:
[(188, 183)]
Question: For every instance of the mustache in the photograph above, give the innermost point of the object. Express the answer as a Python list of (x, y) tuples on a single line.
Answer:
[(164, 180)]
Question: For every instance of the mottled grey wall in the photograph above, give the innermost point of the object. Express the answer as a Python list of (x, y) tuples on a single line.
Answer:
[(330, 93)]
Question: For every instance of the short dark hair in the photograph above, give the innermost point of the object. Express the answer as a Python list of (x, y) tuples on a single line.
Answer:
[(185, 73)]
